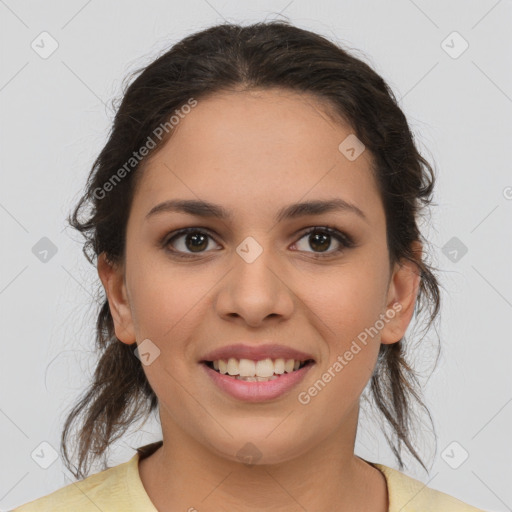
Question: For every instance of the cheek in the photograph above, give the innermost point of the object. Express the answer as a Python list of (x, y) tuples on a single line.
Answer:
[(165, 299), (348, 303), (166, 309), (349, 298), (349, 309)]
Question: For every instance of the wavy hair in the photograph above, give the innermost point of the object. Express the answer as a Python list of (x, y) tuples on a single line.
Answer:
[(232, 57)]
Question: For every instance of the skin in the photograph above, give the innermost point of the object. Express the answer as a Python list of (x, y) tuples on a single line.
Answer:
[(255, 152)]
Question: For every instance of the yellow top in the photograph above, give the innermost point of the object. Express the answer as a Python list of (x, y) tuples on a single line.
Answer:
[(120, 489)]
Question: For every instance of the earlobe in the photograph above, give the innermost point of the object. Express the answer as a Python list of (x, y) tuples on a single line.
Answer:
[(401, 299), (112, 278)]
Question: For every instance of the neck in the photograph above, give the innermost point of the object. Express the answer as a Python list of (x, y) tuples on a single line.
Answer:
[(184, 474)]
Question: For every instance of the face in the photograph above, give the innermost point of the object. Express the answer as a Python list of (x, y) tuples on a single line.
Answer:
[(255, 279)]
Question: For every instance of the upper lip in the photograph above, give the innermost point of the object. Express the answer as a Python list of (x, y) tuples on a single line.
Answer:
[(241, 351)]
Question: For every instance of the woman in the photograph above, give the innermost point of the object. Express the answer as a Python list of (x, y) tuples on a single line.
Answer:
[(254, 225)]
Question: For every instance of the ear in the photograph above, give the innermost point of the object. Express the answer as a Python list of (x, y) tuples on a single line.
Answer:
[(401, 298), (112, 278)]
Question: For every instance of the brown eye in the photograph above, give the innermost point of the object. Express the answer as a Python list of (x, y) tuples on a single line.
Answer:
[(187, 241), (320, 240), (196, 242)]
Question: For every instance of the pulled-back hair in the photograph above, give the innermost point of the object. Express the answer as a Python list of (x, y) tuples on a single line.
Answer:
[(232, 57)]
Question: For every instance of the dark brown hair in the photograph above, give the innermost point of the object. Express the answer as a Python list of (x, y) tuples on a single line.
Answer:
[(232, 57)]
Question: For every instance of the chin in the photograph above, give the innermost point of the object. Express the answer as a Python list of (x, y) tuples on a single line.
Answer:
[(256, 447)]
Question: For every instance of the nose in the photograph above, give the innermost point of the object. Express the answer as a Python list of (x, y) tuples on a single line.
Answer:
[(255, 291)]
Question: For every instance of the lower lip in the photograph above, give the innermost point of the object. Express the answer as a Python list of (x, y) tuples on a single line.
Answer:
[(257, 391)]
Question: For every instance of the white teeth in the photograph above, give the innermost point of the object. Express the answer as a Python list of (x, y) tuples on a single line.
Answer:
[(233, 366), (264, 368), (223, 366), (247, 368), (279, 366), (288, 365)]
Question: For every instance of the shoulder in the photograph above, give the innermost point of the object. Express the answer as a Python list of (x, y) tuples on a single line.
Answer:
[(407, 494), (114, 489)]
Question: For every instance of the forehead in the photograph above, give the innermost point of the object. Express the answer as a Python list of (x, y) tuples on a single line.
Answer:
[(258, 150)]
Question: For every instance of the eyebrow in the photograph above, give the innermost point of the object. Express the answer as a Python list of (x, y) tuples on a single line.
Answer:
[(207, 209)]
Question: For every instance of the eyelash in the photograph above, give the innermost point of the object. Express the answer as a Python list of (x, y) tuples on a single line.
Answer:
[(346, 242)]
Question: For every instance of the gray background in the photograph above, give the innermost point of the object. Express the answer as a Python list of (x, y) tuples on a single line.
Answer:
[(55, 114)]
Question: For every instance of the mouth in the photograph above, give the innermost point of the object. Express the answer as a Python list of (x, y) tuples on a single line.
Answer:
[(262, 370), (256, 373), (256, 381)]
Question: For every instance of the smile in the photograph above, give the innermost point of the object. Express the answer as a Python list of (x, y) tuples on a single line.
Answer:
[(256, 381)]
